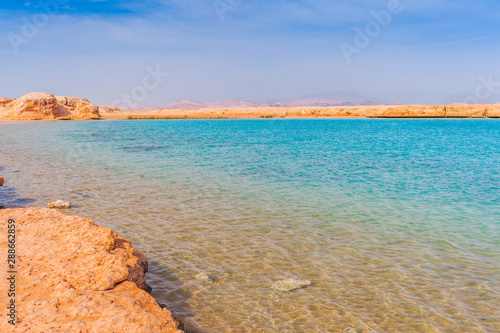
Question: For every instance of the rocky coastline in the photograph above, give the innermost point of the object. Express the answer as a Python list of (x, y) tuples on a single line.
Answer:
[(72, 275), (375, 111), (42, 106), (45, 106)]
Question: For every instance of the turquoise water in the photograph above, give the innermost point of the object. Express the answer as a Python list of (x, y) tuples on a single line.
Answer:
[(396, 223)]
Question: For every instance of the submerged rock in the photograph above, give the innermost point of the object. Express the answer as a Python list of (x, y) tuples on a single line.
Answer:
[(290, 285), (204, 277), (59, 204)]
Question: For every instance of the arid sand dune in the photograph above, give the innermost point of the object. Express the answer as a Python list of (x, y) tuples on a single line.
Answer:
[(75, 276)]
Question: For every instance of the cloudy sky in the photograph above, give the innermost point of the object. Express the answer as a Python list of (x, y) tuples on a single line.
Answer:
[(412, 51)]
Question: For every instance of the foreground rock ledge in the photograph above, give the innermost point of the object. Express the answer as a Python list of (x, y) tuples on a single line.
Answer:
[(76, 276)]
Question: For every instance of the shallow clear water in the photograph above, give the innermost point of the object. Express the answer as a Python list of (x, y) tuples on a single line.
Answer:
[(396, 223)]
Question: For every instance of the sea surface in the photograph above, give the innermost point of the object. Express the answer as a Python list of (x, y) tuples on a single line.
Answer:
[(395, 224)]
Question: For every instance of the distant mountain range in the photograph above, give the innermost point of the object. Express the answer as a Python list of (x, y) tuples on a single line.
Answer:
[(324, 99)]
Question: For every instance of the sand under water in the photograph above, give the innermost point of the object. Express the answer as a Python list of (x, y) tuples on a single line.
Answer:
[(286, 225)]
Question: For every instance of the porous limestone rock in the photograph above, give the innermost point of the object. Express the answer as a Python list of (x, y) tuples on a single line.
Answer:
[(76, 276), (77, 108), (108, 109), (33, 106), (59, 204), (86, 111), (71, 102), (4, 101), (493, 111), (466, 111)]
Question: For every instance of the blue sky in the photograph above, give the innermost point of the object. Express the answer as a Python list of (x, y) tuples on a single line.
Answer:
[(427, 52)]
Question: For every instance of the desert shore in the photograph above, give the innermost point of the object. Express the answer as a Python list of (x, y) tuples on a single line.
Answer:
[(71, 275), (45, 106), (380, 111)]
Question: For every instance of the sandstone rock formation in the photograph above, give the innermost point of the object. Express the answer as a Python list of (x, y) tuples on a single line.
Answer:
[(76, 276), (33, 105), (493, 112), (467, 111), (108, 109), (77, 108), (365, 111), (86, 111), (4, 101), (71, 102), (47, 106)]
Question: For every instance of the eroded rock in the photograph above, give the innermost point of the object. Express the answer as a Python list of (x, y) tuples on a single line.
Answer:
[(108, 109), (71, 102), (60, 204), (4, 101), (48, 106), (35, 105), (76, 276), (86, 111)]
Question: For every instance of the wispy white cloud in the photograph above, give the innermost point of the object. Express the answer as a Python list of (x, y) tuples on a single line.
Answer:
[(430, 46), (263, 49)]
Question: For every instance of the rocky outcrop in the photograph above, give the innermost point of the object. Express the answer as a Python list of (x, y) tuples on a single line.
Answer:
[(86, 111), (35, 106), (76, 276), (493, 111), (108, 109), (4, 101), (77, 108), (467, 111), (71, 102)]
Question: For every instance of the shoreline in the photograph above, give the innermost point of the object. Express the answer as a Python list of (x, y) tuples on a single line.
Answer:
[(488, 111), (377, 111)]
